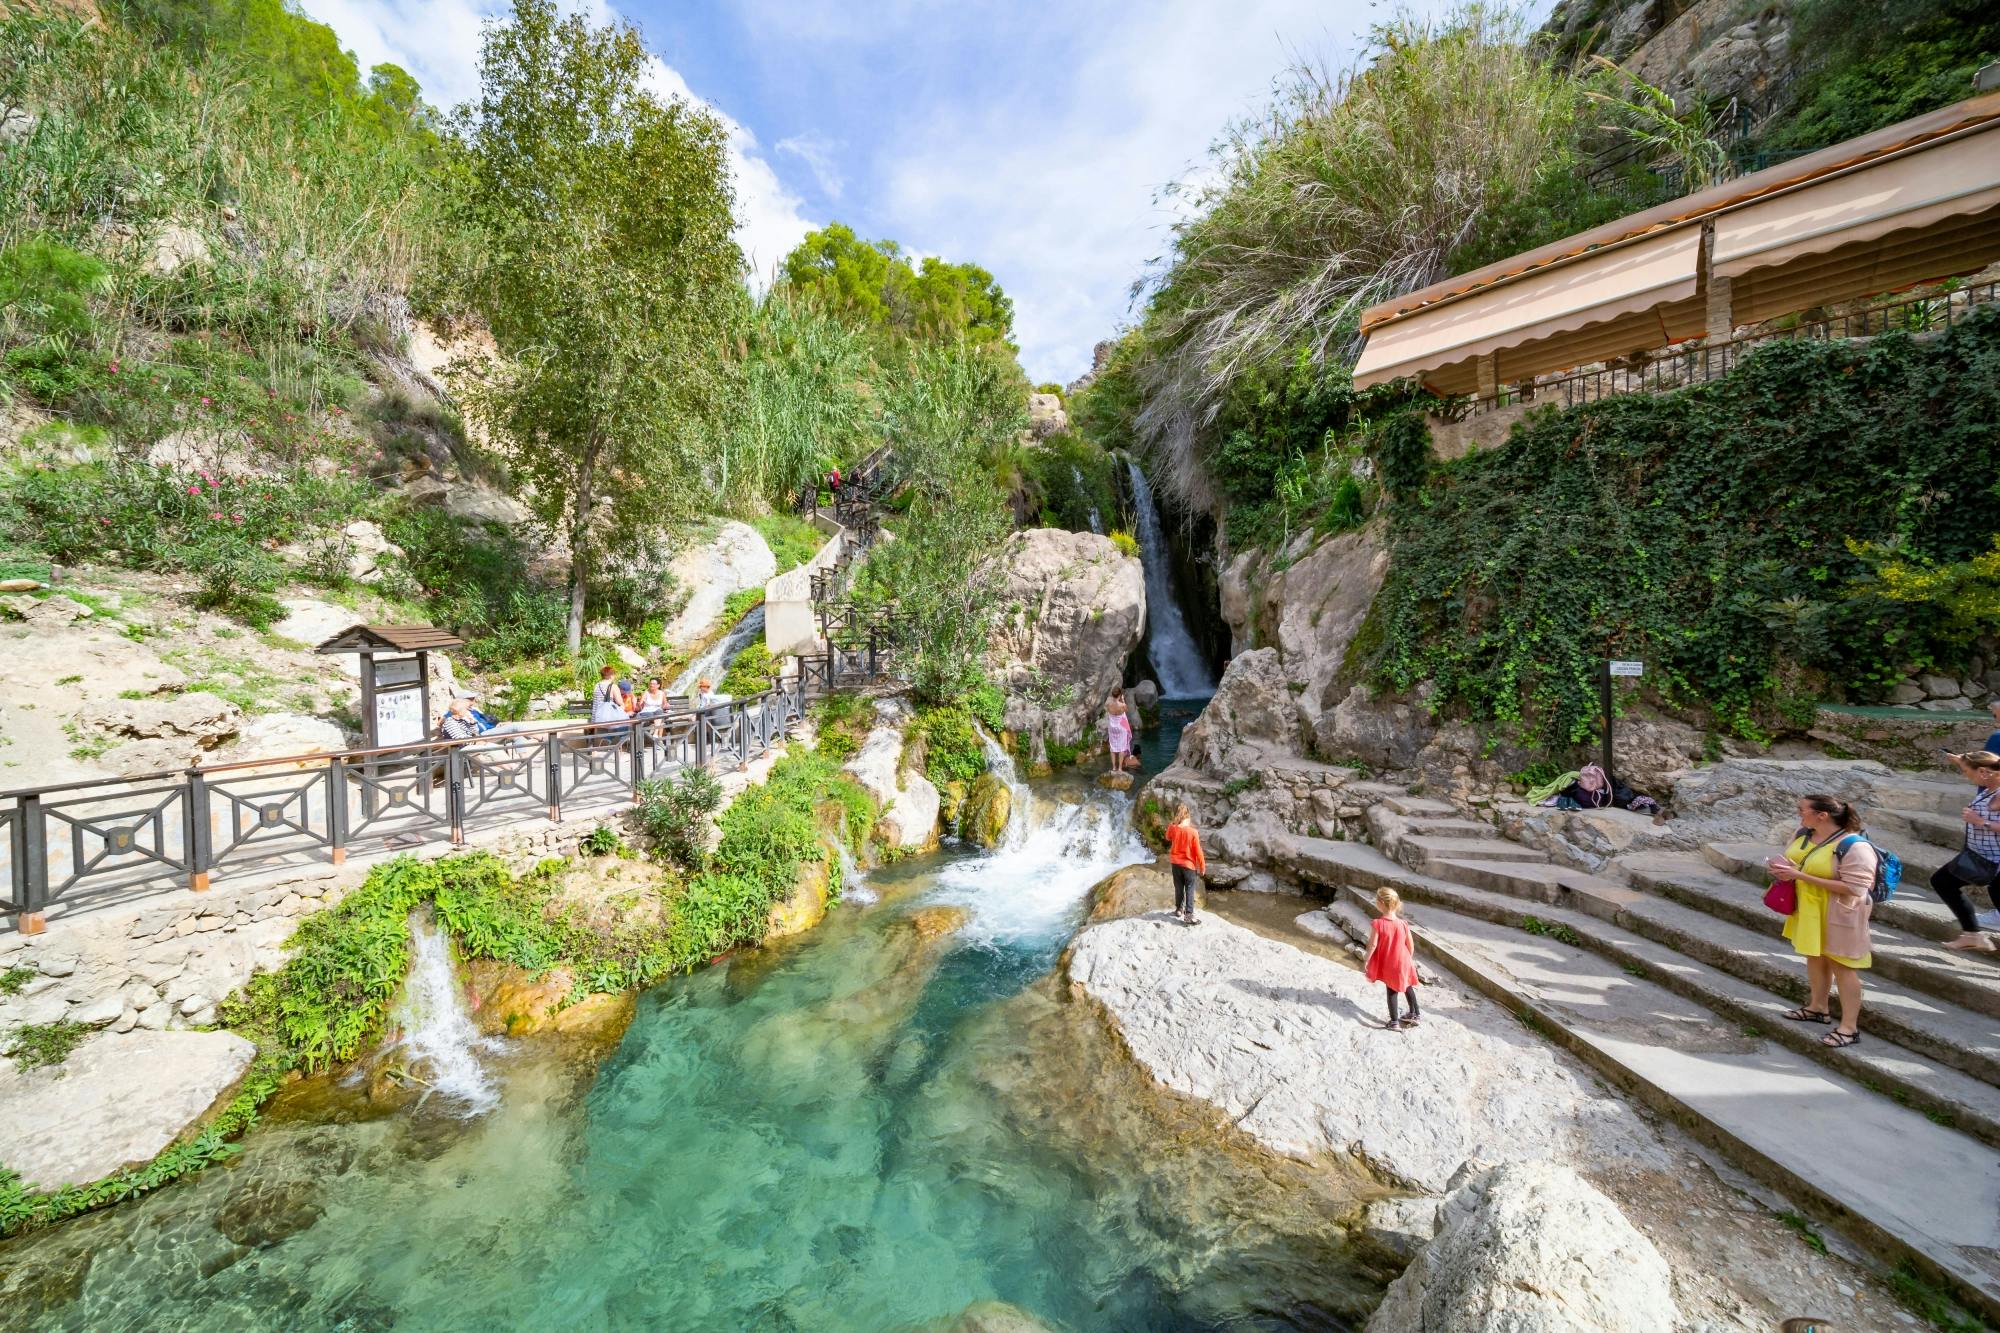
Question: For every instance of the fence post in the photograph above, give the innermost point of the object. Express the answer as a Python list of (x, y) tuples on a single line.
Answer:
[(636, 736), (552, 746), (454, 793), (700, 740), (200, 837), (31, 867), (336, 811)]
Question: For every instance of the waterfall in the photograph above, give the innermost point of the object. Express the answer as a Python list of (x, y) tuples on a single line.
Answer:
[(1096, 519), (1176, 661), (853, 880), (439, 1039), (1033, 886), (714, 662), (1022, 809)]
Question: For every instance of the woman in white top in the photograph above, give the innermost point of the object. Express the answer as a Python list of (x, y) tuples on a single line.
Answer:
[(653, 699)]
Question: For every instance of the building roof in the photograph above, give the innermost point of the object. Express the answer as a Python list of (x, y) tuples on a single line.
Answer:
[(1692, 208), (390, 639)]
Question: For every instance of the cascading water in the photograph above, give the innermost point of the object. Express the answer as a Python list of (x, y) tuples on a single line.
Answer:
[(714, 662), (440, 1044), (1096, 519), (1176, 661), (854, 881), (1021, 807)]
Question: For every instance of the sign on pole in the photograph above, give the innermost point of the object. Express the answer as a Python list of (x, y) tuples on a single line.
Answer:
[(1628, 668)]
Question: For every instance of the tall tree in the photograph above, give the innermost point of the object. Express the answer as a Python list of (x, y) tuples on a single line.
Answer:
[(875, 283), (607, 273)]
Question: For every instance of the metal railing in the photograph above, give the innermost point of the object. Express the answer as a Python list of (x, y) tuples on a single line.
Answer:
[(1679, 368), (104, 837)]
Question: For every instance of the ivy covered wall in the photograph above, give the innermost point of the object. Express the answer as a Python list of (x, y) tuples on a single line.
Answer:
[(1815, 525)]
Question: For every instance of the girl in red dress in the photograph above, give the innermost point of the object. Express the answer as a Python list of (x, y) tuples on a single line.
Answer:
[(1390, 957)]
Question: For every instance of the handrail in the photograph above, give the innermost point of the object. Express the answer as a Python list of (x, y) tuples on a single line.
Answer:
[(1680, 368), (116, 833)]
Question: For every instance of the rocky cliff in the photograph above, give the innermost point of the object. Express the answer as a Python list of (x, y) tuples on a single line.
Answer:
[(1073, 608)]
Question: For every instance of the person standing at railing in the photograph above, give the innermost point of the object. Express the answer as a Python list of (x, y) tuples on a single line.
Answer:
[(607, 701)]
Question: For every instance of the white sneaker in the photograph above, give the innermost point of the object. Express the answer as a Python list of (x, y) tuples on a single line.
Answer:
[(1989, 920)]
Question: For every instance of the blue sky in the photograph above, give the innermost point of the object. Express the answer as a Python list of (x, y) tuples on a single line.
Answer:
[(1033, 139)]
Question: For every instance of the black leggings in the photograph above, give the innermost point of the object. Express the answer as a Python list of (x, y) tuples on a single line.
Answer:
[(1411, 996), (1948, 886), (1185, 883)]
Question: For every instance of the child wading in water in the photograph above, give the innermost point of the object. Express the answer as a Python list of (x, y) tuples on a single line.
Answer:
[(1390, 959), (1188, 864)]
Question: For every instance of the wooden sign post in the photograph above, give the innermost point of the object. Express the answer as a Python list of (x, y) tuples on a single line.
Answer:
[(1611, 669)]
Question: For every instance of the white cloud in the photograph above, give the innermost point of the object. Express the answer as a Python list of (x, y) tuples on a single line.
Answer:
[(437, 41), (817, 152)]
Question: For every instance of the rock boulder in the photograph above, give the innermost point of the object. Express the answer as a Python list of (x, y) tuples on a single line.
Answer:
[(908, 800), (196, 715), (1072, 609), (1532, 1248), (119, 1100), (737, 557)]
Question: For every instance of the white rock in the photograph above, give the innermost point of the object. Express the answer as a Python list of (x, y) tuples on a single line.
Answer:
[(96, 1013), (153, 1017), (1072, 609), (276, 735), (196, 715), (119, 1100), (312, 623), (1195, 1007), (908, 800), (1530, 1247), (737, 557), (482, 504), (127, 1020), (630, 656), (176, 246)]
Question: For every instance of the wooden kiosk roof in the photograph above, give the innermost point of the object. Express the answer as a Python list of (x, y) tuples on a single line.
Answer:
[(390, 639)]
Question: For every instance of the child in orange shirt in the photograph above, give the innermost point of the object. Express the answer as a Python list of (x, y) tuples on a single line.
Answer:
[(1391, 959), (1188, 864)]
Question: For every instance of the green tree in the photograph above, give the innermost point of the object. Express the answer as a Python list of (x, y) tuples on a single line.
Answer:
[(607, 273), (874, 283)]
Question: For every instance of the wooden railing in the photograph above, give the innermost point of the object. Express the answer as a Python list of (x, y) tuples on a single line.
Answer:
[(102, 839)]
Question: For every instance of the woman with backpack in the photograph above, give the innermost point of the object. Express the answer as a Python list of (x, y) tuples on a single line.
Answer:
[(1978, 860), (1832, 866)]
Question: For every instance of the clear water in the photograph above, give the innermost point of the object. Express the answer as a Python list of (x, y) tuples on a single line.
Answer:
[(873, 1126)]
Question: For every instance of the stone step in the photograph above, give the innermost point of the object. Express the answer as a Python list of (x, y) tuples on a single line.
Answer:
[(1909, 1077), (1909, 793), (1914, 908), (1447, 826), (1745, 860), (1400, 800), (1967, 979), (1425, 853), (1896, 827), (1773, 1111), (1538, 882)]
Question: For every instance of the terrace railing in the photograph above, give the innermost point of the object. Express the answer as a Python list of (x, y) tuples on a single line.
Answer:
[(1678, 369), (85, 843)]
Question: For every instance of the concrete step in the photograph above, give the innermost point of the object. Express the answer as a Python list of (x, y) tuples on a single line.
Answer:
[(1896, 827), (1745, 860), (1909, 793), (1426, 853), (1968, 979), (1773, 1111), (1537, 882), (1948, 1095)]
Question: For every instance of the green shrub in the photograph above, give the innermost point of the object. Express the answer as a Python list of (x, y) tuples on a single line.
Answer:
[(793, 540), (673, 814), (953, 750), (1126, 543), (1062, 754), (749, 672), (601, 841), (45, 1045), (1071, 482), (46, 289), (475, 579), (14, 979), (988, 705), (1727, 534)]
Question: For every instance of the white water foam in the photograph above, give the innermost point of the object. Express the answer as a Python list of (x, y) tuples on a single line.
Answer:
[(854, 886), (1020, 814), (1029, 890), (440, 1043), (714, 663)]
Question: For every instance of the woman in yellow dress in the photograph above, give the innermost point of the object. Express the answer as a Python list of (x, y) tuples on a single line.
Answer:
[(1834, 867)]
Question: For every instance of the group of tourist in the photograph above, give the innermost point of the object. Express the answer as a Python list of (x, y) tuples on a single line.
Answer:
[(617, 699)]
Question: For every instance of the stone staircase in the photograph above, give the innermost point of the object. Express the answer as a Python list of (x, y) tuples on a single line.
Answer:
[(1672, 980)]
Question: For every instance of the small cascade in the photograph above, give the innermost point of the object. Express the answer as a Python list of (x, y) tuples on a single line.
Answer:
[(1096, 519), (1169, 647), (1021, 810), (714, 662), (854, 887), (440, 1043)]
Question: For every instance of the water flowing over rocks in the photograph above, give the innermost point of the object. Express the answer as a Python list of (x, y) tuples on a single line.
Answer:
[(1072, 609), (1291, 1046), (117, 1101), (736, 558), (1530, 1247)]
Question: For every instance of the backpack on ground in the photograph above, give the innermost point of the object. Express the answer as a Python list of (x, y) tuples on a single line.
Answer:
[(1888, 867)]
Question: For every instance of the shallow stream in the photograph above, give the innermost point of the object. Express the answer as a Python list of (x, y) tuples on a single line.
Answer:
[(874, 1126)]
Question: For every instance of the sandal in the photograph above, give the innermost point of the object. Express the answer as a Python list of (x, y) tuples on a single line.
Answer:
[(1803, 1015), (1837, 1039), (1410, 1022)]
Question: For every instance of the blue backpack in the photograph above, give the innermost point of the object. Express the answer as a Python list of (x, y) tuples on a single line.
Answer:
[(1888, 867)]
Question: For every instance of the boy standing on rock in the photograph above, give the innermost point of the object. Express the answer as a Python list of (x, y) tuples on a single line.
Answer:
[(1188, 864)]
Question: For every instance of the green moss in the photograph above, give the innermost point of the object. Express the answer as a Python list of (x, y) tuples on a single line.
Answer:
[(45, 1045), (14, 978)]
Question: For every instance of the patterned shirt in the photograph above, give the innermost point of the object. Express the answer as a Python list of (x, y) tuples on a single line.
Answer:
[(1985, 841)]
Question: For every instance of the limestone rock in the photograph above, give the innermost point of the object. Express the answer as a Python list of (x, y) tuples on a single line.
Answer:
[(1940, 687), (368, 551), (426, 491), (1115, 781), (264, 1212), (1252, 712), (511, 1001), (996, 1316), (1073, 607), (176, 246), (312, 623), (932, 923), (1905, 693), (803, 908), (1145, 695), (53, 612), (909, 801), (1531, 1247), (482, 504), (1135, 891), (982, 820), (277, 735), (137, 758), (1290, 1046), (1045, 415), (196, 715), (119, 1100), (736, 558)]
